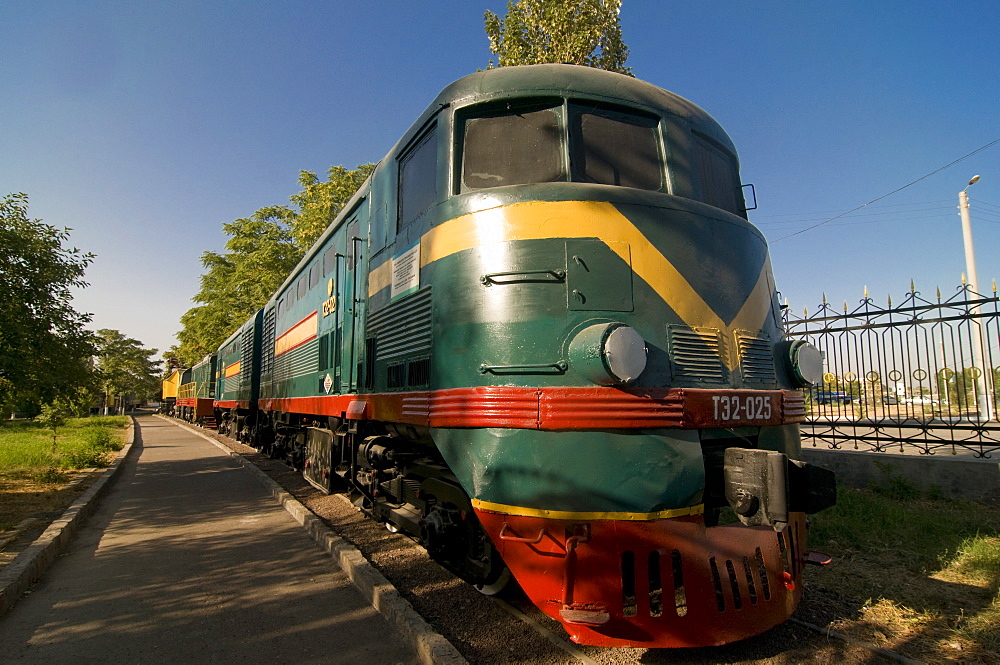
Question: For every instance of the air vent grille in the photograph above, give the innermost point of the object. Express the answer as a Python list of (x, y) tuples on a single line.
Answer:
[(697, 354), (756, 359)]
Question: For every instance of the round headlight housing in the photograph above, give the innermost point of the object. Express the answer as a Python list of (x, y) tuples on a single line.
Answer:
[(608, 353), (804, 362)]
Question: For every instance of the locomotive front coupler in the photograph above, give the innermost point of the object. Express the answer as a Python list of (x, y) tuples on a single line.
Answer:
[(764, 486)]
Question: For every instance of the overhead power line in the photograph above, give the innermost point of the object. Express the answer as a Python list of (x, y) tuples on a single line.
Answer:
[(898, 189), (881, 207), (877, 211)]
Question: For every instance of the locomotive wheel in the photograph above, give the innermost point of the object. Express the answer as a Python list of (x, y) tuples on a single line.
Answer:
[(501, 584)]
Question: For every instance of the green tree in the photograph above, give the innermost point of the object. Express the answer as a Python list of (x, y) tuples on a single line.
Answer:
[(994, 389), (261, 252), (124, 367), (53, 415), (579, 32), (319, 202), (44, 349), (958, 388)]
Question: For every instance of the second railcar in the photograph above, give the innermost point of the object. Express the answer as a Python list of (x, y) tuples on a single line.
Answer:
[(238, 381)]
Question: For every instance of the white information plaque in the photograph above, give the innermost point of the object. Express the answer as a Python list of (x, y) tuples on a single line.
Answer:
[(405, 272)]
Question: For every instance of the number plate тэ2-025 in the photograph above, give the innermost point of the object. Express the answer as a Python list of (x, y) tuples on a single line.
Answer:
[(729, 408)]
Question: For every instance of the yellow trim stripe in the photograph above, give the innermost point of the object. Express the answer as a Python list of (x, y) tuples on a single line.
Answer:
[(298, 334), (570, 515), (232, 370), (380, 278), (538, 220)]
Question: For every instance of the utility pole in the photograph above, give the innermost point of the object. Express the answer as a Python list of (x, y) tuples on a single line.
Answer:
[(982, 381)]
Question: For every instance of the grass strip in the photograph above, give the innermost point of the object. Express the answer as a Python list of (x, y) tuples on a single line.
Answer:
[(36, 463), (918, 575)]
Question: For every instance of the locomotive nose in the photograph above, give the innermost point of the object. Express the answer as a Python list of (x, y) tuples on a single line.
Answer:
[(608, 353)]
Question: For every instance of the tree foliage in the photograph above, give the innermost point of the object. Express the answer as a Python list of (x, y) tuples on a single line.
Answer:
[(578, 32), (261, 252), (53, 416), (44, 349), (319, 202), (125, 367)]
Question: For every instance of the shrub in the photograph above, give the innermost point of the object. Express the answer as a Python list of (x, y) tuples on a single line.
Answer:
[(85, 458), (54, 476), (99, 437)]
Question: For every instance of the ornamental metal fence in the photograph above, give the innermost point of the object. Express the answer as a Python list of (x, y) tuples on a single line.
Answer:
[(919, 376)]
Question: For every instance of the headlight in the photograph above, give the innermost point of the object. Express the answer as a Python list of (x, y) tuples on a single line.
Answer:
[(608, 353), (804, 363)]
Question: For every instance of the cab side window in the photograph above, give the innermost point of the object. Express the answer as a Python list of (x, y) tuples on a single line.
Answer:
[(418, 178), (719, 175)]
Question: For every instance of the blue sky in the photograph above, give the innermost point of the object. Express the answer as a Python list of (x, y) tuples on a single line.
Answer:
[(144, 126)]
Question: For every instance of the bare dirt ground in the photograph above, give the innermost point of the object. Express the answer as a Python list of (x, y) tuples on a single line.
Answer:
[(31, 505)]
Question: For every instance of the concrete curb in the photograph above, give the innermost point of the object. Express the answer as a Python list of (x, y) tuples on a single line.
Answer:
[(27, 568), (431, 647)]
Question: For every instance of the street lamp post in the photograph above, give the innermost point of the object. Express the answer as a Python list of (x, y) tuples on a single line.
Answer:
[(970, 255), (982, 382)]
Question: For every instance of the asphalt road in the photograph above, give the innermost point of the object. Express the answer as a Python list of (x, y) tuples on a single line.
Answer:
[(188, 560)]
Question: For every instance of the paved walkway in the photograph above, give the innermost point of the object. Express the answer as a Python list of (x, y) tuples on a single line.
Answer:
[(188, 560)]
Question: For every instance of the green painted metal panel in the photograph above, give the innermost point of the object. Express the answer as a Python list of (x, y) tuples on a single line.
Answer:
[(592, 471), (597, 278)]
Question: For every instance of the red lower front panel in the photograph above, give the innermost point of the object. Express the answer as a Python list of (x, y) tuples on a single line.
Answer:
[(665, 583)]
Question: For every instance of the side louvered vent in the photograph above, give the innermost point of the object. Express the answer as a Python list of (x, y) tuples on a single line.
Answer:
[(267, 340), (756, 360), (403, 328), (697, 354), (246, 357)]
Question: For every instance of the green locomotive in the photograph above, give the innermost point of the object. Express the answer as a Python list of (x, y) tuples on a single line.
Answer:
[(544, 339)]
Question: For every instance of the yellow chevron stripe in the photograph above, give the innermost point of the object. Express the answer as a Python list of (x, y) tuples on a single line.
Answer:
[(537, 220), (571, 515)]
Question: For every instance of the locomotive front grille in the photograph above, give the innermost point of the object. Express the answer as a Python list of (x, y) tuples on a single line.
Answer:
[(735, 582), (756, 359), (697, 354), (662, 567)]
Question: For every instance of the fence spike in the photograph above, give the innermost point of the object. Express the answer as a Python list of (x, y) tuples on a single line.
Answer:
[(805, 311), (994, 286), (964, 282), (845, 307), (913, 287), (824, 298), (890, 300), (939, 293), (866, 292)]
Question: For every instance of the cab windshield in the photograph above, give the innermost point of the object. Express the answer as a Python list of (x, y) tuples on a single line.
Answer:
[(516, 145)]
